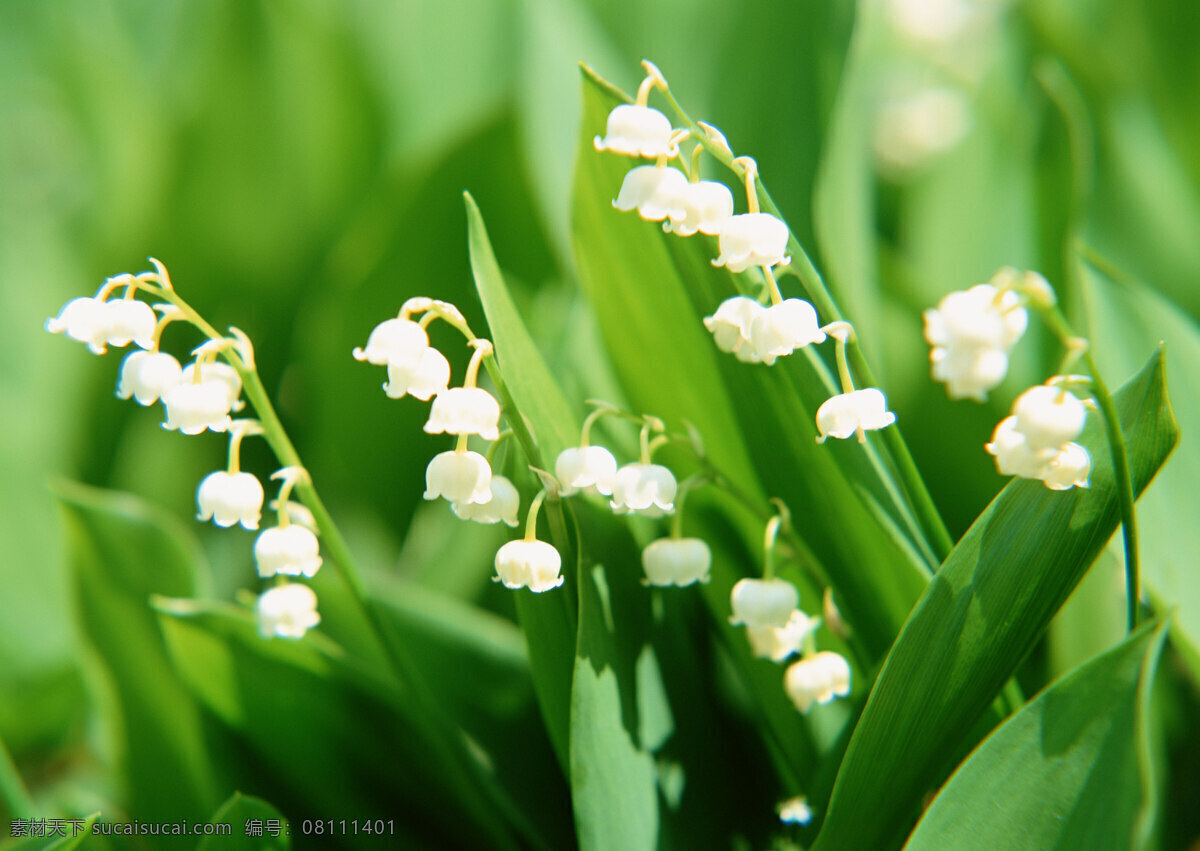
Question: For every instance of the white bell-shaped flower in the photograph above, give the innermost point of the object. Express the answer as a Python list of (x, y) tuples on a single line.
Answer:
[(193, 407), (465, 410), (585, 469), (763, 602), (84, 319), (730, 326), (1049, 417), (782, 328), (501, 508), (290, 550), (656, 193), (980, 317), (222, 374), (228, 498), (752, 239), (535, 565), (130, 320), (1069, 468), (818, 679), (848, 413), (778, 643), (676, 561), (429, 376), (637, 131), (398, 342), (286, 611), (147, 376), (1014, 456), (462, 477), (968, 373), (646, 489), (705, 205)]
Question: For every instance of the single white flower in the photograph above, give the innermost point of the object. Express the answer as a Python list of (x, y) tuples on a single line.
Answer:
[(585, 469), (535, 565), (705, 205), (763, 602), (147, 376), (794, 811), (193, 407), (228, 498), (1069, 468), (646, 489), (465, 410), (817, 679), (1014, 456), (752, 239), (428, 376), (676, 561), (502, 507), (1049, 417), (850, 413), (222, 374), (654, 192), (130, 320), (730, 326), (782, 328), (971, 333), (290, 550), (637, 131), (459, 477), (84, 319), (968, 373), (778, 643), (398, 342), (286, 611)]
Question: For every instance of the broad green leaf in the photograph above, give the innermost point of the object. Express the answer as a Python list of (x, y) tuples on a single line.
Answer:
[(249, 818), (981, 614), (1068, 771), (1125, 318), (548, 620), (650, 291), (121, 552), (14, 797), (288, 702)]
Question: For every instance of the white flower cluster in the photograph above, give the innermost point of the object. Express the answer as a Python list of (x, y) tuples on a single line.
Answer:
[(196, 398), (741, 325), (1037, 441), (778, 629)]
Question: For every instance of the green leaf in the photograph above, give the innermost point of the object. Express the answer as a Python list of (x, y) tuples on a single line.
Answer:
[(237, 812), (978, 619), (541, 410), (1065, 772), (121, 552)]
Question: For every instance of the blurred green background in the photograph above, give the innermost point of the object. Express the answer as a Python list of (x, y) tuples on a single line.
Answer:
[(298, 166)]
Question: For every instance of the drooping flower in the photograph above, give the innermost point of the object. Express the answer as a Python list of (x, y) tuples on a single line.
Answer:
[(462, 477), (1070, 468), (465, 410), (637, 131), (193, 406), (535, 565), (222, 374), (646, 489), (656, 193), (778, 643), (705, 206), (397, 342), (502, 507), (763, 602), (731, 324), (752, 239), (853, 413), (84, 319), (971, 333), (817, 679), (147, 376), (1014, 456), (286, 611), (290, 550), (1049, 417), (429, 376), (676, 561), (229, 498), (130, 320), (586, 469), (782, 328)]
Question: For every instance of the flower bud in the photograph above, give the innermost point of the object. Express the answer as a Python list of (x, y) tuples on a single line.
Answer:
[(676, 561)]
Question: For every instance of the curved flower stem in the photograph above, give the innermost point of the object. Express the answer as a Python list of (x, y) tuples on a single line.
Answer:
[(928, 517)]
